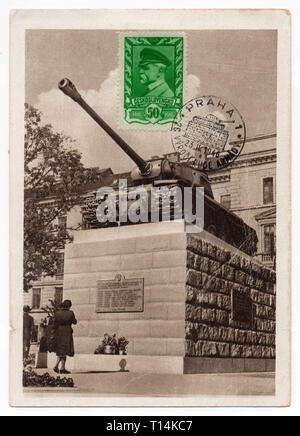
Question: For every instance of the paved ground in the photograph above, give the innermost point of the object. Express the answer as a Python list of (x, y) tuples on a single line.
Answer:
[(134, 384)]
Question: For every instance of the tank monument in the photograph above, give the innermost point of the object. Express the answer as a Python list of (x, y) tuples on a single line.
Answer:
[(187, 301)]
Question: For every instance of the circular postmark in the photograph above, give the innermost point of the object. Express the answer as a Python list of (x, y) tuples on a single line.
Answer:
[(208, 132)]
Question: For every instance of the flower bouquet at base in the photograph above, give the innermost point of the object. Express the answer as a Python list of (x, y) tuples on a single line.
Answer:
[(108, 345), (112, 345), (122, 345)]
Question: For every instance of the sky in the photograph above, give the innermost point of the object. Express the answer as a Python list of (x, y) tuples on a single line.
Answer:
[(238, 65)]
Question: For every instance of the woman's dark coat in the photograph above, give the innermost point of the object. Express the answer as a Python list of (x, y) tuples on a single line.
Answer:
[(63, 321), (28, 324)]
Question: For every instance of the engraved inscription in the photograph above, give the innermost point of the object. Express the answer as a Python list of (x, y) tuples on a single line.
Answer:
[(120, 295)]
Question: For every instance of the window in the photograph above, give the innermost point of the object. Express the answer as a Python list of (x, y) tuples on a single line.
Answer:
[(60, 264), (268, 190), (225, 201), (38, 264), (36, 298), (58, 296), (62, 224), (269, 238), (34, 334)]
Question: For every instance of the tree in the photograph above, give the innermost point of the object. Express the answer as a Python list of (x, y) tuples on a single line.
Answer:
[(53, 183)]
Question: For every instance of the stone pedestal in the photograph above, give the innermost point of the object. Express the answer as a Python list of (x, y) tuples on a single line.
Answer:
[(187, 317), (41, 360)]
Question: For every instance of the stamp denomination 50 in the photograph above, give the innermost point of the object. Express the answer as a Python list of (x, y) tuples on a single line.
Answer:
[(153, 78)]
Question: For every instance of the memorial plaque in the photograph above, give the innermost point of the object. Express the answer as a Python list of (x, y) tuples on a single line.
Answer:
[(242, 307), (120, 295)]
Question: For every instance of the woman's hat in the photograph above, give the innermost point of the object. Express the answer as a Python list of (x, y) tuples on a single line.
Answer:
[(67, 304)]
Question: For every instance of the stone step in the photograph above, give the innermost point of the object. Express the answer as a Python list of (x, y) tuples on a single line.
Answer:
[(163, 364), (117, 363)]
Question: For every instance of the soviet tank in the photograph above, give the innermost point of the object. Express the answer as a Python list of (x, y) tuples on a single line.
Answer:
[(165, 171)]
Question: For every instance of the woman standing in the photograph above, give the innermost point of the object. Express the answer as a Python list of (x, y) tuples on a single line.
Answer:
[(63, 320), (28, 324)]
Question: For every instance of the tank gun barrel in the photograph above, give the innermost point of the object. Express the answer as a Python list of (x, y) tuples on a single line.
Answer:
[(68, 88)]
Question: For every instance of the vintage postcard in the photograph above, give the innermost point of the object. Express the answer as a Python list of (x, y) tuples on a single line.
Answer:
[(150, 208)]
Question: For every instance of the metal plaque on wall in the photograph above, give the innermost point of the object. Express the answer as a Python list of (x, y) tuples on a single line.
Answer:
[(120, 295), (242, 307)]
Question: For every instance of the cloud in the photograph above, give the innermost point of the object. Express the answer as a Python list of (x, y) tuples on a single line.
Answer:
[(97, 148), (193, 87)]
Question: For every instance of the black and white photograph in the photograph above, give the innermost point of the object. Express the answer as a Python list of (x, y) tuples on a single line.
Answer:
[(152, 244)]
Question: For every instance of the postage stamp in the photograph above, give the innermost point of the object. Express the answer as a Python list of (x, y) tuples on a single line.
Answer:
[(208, 132), (153, 78)]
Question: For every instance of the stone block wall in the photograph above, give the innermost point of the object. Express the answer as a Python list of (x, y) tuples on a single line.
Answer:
[(188, 285), (213, 273), (157, 254)]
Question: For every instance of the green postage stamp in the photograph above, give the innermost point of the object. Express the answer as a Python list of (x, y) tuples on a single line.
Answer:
[(153, 78)]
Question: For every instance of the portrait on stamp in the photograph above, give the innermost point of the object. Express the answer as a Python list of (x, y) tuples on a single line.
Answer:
[(153, 78)]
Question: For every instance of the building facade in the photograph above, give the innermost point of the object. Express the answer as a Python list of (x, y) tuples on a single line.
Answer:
[(248, 188), (50, 288)]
